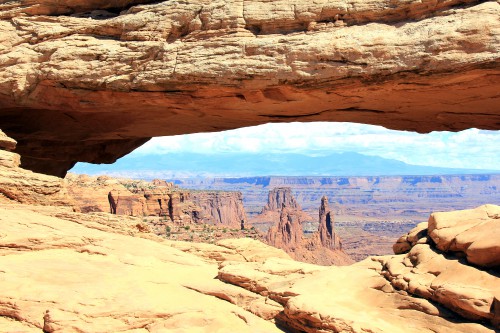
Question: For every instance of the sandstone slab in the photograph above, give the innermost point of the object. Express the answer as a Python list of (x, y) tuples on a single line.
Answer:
[(78, 273), (65, 277), (473, 232), (24, 186)]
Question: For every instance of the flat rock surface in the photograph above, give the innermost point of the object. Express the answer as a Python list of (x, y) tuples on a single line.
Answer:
[(93, 281)]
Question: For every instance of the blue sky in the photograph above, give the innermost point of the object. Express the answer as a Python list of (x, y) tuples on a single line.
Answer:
[(473, 148)]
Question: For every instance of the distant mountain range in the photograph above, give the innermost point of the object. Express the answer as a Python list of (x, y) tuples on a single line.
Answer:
[(177, 165)]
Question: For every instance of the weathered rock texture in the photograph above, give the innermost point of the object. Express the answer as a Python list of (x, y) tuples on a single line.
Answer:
[(287, 233), (63, 271), (323, 247), (434, 267), (277, 198), (326, 229), (25, 186), (62, 276), (156, 198), (471, 232), (93, 80), (90, 194), (225, 208)]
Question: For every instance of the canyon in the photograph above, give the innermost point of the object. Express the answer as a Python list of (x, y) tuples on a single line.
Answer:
[(371, 212), (92, 81), (365, 198), (120, 276)]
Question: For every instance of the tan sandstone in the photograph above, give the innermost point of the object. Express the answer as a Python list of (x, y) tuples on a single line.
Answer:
[(93, 80), (63, 271), (471, 232)]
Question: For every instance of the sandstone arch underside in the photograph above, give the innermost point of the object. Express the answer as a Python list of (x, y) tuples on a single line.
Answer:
[(92, 80)]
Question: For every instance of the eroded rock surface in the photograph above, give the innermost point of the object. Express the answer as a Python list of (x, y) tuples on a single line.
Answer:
[(277, 198), (323, 247), (221, 208), (471, 232), (63, 271), (287, 233), (439, 265), (94, 80), (156, 198), (68, 277), (24, 186), (326, 229)]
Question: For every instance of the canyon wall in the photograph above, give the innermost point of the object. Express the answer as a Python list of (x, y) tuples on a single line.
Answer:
[(224, 208), (279, 197), (392, 198), (156, 198), (92, 81)]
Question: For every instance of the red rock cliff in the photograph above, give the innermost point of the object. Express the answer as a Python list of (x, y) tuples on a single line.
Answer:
[(224, 208), (287, 234), (323, 247), (326, 229)]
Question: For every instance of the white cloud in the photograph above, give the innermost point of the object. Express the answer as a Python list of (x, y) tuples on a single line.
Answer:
[(472, 148)]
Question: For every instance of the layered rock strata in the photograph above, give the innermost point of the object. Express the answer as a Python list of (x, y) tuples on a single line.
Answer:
[(24, 186), (277, 198), (90, 194), (326, 229), (323, 247), (93, 81), (157, 198), (221, 208), (453, 260), (287, 233)]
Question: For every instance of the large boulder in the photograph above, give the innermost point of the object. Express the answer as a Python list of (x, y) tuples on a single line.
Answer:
[(441, 262), (473, 232)]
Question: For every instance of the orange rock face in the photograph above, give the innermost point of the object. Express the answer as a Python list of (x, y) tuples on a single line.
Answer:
[(323, 247), (471, 232), (326, 230), (287, 234), (94, 80), (157, 198), (434, 267), (220, 208)]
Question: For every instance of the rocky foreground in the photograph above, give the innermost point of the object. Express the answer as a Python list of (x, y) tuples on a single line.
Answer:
[(62, 271), (65, 271)]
